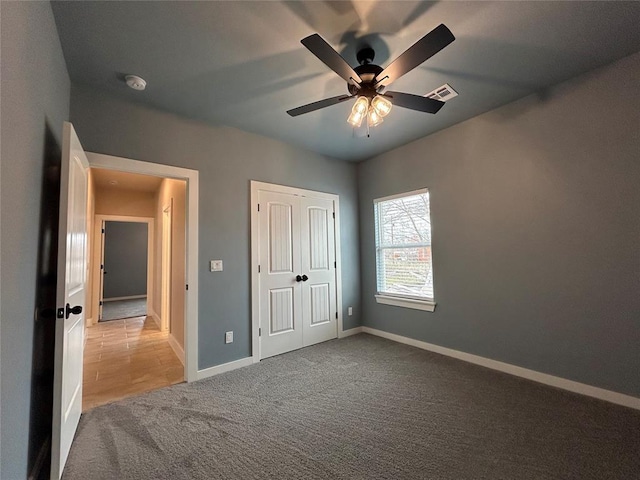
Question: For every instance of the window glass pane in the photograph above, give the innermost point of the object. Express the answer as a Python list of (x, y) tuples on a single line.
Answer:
[(407, 271), (405, 220), (403, 241)]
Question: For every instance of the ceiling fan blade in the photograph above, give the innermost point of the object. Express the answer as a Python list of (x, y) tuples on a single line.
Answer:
[(311, 107), (332, 59), (425, 48), (414, 102)]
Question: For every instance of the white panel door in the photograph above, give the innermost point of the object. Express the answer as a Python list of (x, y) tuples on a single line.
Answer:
[(297, 278), (280, 301), (317, 239), (72, 271)]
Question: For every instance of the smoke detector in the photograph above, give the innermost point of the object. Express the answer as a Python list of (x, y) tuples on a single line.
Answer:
[(443, 93), (136, 82)]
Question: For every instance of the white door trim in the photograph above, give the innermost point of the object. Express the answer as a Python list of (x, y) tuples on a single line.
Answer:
[(99, 220), (165, 268), (98, 160), (255, 248)]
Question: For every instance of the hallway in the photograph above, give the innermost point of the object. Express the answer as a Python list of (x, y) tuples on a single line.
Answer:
[(127, 357)]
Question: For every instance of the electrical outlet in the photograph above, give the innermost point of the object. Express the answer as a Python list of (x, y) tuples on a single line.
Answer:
[(215, 266), (350, 311), (228, 337)]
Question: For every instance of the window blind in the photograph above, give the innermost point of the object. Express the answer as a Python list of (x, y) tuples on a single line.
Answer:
[(403, 246)]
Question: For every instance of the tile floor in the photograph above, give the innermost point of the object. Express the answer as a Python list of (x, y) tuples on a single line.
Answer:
[(126, 357)]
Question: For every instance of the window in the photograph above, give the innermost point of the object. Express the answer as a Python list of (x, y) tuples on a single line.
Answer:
[(403, 250)]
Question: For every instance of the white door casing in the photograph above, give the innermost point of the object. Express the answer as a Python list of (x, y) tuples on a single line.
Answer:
[(71, 283), (102, 226), (97, 271), (165, 302), (295, 298)]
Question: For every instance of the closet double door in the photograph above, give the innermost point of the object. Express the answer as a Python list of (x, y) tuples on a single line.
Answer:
[(297, 275)]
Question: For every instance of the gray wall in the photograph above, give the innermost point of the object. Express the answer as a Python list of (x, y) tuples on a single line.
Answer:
[(35, 102), (536, 231), (227, 160), (125, 259)]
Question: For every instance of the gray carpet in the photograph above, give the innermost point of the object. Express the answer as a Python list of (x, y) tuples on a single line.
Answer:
[(118, 309), (358, 408)]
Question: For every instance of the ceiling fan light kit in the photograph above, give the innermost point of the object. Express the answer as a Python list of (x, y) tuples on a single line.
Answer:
[(374, 118), (355, 119), (382, 105), (367, 82)]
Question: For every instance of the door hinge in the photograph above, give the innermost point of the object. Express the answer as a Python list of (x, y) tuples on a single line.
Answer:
[(334, 215), (336, 314), (187, 286), (101, 303), (258, 207), (103, 230), (259, 332), (101, 267), (335, 264), (258, 268)]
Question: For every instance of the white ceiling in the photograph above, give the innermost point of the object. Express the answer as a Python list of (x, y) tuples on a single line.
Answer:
[(241, 63), (116, 180)]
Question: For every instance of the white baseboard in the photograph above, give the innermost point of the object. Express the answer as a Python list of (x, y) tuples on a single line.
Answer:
[(177, 348), (225, 367), (551, 380), (130, 297), (351, 331)]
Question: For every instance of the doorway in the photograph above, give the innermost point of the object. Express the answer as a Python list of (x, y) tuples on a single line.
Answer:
[(296, 299), (125, 273), (189, 281)]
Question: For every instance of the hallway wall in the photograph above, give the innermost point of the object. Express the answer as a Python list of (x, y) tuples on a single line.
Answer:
[(128, 203), (172, 192)]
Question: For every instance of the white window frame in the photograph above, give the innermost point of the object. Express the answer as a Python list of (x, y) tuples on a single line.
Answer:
[(406, 301)]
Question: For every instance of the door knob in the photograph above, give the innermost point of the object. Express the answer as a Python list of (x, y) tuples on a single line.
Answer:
[(304, 278), (298, 278), (77, 310)]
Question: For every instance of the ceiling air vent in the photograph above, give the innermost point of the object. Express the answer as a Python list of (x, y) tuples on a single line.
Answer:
[(443, 93)]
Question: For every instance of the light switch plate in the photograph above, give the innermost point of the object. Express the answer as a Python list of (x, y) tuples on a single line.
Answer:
[(228, 337), (350, 311), (215, 266)]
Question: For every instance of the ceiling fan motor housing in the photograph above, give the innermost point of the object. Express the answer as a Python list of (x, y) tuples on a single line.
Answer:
[(367, 73)]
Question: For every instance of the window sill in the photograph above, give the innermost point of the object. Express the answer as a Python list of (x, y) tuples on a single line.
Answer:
[(406, 303)]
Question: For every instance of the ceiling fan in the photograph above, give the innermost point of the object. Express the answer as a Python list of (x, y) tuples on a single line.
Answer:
[(367, 82)]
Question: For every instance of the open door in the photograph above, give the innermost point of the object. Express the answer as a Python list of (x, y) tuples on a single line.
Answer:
[(72, 272)]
